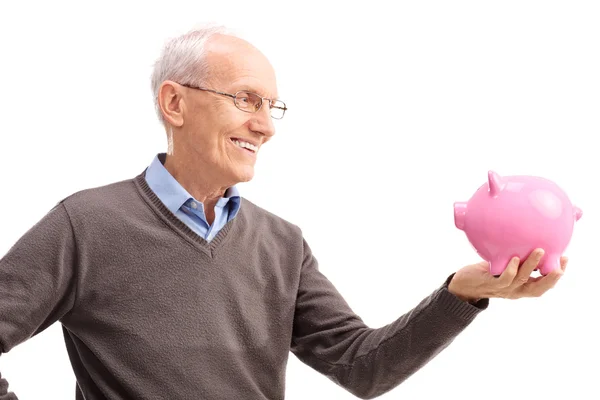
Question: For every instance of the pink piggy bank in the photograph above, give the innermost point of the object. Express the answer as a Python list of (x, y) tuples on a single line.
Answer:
[(513, 215)]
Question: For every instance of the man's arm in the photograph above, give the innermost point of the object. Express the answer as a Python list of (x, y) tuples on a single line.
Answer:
[(332, 339), (37, 282)]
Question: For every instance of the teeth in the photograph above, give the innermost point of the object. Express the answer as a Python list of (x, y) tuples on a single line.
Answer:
[(246, 145)]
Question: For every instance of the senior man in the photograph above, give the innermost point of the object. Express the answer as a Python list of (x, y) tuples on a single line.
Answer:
[(171, 285)]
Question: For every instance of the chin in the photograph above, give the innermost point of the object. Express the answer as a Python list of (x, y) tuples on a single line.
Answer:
[(244, 174), (246, 178)]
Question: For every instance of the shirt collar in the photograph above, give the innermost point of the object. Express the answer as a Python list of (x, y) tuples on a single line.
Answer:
[(170, 192)]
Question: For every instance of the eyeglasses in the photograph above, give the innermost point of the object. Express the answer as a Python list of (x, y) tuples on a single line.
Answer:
[(250, 102)]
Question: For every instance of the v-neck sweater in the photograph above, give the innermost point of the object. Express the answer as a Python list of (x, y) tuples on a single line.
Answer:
[(151, 310)]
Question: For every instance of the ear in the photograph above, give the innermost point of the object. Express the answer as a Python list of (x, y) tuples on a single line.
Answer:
[(495, 183), (171, 102)]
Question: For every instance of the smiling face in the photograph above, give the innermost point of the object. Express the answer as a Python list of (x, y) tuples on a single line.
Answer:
[(209, 131)]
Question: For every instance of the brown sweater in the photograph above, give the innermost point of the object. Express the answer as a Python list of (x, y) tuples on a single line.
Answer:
[(150, 310)]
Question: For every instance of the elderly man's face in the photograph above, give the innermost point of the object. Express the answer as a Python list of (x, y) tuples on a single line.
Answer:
[(223, 140)]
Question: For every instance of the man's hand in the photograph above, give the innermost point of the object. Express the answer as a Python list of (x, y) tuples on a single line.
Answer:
[(475, 282)]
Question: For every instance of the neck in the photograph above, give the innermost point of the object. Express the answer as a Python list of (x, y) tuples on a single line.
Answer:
[(200, 186)]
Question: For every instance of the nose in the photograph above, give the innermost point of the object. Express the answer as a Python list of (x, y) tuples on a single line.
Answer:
[(262, 122)]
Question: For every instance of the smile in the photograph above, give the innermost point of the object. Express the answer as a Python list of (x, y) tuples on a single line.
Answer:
[(245, 145)]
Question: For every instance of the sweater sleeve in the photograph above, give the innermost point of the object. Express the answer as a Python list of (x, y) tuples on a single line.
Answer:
[(329, 337), (37, 282)]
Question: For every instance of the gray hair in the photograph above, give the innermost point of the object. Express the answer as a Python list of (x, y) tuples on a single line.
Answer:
[(183, 60)]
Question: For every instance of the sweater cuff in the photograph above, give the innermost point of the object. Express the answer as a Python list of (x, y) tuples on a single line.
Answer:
[(458, 307)]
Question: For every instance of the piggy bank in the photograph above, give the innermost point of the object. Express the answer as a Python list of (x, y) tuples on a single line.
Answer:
[(512, 216)]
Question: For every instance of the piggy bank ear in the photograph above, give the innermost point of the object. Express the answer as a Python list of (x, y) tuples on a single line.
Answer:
[(495, 183)]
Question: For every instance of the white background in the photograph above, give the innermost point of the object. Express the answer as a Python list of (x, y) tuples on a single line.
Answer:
[(396, 110)]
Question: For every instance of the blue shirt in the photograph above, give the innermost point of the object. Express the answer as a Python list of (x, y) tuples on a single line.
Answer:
[(189, 210)]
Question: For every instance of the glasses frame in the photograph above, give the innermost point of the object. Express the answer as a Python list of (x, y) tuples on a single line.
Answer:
[(234, 97)]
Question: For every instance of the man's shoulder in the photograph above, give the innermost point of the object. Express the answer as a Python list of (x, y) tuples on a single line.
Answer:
[(109, 195), (261, 216)]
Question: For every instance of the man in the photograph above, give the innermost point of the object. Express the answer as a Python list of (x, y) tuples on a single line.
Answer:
[(170, 285)]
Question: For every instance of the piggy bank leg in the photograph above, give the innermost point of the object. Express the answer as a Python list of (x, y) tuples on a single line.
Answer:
[(551, 263), (498, 265)]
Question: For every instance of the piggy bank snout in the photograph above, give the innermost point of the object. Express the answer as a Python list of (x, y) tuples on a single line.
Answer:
[(460, 212)]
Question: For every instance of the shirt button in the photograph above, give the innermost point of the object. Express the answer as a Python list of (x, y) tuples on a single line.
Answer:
[(194, 205)]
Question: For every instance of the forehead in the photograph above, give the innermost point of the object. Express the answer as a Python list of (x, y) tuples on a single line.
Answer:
[(235, 65)]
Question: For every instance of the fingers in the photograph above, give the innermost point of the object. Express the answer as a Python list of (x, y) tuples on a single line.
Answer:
[(516, 282), (510, 272), (564, 260), (528, 267), (540, 285), (516, 276), (543, 284)]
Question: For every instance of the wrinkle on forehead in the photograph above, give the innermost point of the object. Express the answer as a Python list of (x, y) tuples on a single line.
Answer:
[(235, 64)]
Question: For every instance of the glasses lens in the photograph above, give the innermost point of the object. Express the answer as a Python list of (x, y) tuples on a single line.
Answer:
[(247, 101), (277, 109)]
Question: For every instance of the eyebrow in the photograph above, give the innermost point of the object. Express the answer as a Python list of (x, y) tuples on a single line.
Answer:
[(253, 90)]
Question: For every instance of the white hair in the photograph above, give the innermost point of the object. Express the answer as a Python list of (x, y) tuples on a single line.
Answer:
[(183, 59)]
